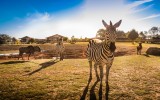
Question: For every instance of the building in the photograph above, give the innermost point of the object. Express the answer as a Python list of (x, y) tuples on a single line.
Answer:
[(53, 38), (25, 39), (40, 41)]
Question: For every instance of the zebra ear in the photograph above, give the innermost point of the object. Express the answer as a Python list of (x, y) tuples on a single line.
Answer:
[(117, 24), (104, 23)]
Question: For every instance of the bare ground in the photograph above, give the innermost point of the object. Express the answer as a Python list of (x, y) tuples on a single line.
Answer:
[(73, 50)]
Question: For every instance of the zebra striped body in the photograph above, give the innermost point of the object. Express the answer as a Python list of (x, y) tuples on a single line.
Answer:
[(103, 53), (60, 48), (100, 53)]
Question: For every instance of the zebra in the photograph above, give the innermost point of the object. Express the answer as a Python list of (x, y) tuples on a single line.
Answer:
[(60, 48), (139, 48), (28, 50), (103, 53)]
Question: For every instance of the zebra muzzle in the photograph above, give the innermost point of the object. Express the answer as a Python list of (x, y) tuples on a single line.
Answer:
[(112, 46)]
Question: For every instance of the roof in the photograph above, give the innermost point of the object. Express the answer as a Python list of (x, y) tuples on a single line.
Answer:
[(56, 35), (25, 37)]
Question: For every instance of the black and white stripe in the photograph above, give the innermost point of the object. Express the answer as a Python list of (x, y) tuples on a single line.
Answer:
[(103, 53), (100, 52)]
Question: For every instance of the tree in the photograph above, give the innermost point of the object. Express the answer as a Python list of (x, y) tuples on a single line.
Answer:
[(153, 31), (65, 38), (133, 34), (14, 40), (142, 35), (4, 38), (73, 40), (31, 40), (121, 34), (101, 33)]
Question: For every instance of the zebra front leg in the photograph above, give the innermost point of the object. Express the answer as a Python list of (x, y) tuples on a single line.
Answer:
[(90, 64), (107, 75), (61, 57), (95, 68), (101, 72)]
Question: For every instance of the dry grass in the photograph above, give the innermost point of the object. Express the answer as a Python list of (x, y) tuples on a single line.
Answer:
[(131, 77)]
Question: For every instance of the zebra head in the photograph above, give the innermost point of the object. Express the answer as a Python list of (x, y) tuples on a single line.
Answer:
[(110, 34)]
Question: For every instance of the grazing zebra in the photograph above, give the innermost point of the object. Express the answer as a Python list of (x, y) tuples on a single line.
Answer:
[(139, 48), (28, 50), (60, 48), (103, 53)]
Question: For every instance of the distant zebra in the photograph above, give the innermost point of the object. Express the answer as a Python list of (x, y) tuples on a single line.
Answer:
[(28, 50), (60, 48), (103, 53), (139, 48)]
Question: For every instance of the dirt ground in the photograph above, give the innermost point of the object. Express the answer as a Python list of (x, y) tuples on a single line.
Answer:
[(71, 51)]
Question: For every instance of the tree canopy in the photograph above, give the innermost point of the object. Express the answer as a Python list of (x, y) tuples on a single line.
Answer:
[(133, 34), (154, 31), (100, 33), (4, 38)]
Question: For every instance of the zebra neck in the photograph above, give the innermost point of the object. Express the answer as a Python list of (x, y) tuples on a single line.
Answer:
[(110, 46)]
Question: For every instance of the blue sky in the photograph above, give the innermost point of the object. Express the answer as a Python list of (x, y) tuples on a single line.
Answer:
[(81, 18)]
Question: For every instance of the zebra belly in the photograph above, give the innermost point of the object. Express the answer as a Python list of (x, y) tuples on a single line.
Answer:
[(99, 59)]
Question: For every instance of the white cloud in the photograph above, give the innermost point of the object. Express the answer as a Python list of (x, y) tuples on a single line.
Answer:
[(149, 17), (142, 9), (86, 21), (137, 3)]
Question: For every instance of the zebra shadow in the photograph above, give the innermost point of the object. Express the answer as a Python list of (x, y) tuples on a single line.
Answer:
[(92, 92), (43, 65), (146, 55), (14, 62)]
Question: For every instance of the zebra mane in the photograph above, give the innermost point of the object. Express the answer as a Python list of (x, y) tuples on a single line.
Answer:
[(111, 45)]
